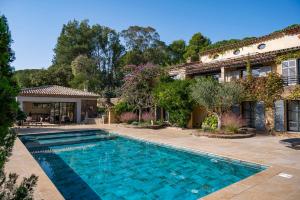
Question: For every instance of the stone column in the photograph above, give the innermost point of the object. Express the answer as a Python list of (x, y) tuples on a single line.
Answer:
[(222, 77), (78, 111)]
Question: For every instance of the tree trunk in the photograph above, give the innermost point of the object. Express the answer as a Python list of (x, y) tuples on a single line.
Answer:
[(219, 120), (140, 114)]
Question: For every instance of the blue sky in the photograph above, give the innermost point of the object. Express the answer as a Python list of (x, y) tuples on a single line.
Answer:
[(36, 24)]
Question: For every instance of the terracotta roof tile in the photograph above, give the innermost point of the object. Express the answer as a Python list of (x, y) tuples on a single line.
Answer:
[(274, 35), (259, 58), (56, 91)]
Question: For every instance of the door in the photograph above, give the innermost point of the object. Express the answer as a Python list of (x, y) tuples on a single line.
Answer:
[(248, 113), (293, 116)]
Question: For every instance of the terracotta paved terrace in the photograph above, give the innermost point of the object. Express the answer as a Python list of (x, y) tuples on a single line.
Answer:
[(268, 184)]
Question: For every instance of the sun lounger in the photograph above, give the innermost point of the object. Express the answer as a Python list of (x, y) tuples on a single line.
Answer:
[(292, 142)]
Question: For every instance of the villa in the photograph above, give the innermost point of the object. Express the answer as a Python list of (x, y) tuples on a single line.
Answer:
[(57, 104), (228, 63)]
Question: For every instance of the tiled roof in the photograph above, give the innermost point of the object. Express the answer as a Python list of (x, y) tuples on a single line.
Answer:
[(259, 58), (56, 91), (274, 35)]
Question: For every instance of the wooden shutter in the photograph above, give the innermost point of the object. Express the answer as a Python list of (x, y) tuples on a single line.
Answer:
[(260, 115), (279, 115), (236, 109)]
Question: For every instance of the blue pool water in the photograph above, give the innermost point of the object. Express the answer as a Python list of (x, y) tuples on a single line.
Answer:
[(98, 165)]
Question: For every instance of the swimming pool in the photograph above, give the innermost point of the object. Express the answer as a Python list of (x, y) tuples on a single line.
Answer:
[(100, 165)]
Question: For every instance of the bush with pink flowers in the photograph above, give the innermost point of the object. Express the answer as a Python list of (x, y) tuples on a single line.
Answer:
[(147, 116), (232, 122), (128, 117)]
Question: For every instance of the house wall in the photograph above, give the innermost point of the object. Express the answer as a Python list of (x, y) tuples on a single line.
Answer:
[(24, 99), (287, 41)]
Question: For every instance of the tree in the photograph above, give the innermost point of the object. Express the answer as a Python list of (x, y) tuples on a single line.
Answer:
[(140, 38), (74, 40), (107, 52), (174, 97), (85, 74), (138, 86), (197, 43), (176, 52), (143, 46), (8, 112), (217, 98)]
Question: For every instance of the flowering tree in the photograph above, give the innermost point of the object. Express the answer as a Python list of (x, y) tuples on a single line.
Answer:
[(138, 86)]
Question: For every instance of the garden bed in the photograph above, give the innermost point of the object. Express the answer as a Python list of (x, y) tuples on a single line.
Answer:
[(224, 135), (158, 126)]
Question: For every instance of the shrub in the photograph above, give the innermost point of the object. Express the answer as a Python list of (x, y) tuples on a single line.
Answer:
[(210, 123), (128, 117), (147, 117), (174, 97), (232, 122), (122, 107)]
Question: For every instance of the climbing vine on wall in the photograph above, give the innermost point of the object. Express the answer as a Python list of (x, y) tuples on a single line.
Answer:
[(295, 94), (267, 89), (288, 56)]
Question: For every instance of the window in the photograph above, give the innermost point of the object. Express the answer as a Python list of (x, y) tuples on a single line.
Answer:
[(261, 46), (232, 75), (259, 72), (289, 72), (237, 52)]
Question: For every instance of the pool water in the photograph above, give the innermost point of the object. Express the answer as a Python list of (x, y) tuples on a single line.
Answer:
[(98, 165)]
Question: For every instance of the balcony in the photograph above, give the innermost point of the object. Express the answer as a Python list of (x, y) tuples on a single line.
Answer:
[(290, 80)]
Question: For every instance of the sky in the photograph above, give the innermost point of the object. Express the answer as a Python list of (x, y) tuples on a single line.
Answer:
[(36, 24)]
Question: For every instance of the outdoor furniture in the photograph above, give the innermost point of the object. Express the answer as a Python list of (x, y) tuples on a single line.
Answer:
[(292, 142)]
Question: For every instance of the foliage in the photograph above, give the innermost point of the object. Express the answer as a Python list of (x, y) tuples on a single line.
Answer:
[(128, 117), (143, 46), (288, 56), (122, 107), (196, 44), (231, 122), (267, 89), (295, 94), (177, 50), (224, 43), (138, 86), (210, 123), (9, 189), (216, 97), (8, 113), (147, 116), (27, 78), (85, 73), (174, 97)]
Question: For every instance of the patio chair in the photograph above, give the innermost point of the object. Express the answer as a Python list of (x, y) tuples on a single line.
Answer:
[(291, 142)]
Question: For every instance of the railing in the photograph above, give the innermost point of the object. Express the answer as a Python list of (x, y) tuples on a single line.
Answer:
[(291, 80)]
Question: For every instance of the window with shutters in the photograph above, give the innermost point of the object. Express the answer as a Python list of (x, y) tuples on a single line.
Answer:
[(290, 72)]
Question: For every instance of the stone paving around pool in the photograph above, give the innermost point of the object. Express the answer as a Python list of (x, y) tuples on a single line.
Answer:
[(280, 181)]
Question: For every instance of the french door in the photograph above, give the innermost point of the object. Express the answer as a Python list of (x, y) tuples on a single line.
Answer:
[(293, 116), (248, 113)]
